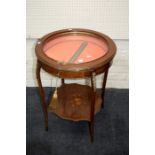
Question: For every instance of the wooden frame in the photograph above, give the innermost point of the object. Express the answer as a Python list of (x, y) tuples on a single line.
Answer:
[(89, 69)]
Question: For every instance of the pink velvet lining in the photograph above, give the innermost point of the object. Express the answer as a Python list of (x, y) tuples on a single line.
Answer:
[(63, 48)]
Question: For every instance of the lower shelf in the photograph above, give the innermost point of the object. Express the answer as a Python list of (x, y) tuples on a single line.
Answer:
[(74, 102)]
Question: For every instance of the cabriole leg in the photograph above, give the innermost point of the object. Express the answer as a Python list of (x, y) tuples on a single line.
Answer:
[(42, 95), (91, 123), (103, 85)]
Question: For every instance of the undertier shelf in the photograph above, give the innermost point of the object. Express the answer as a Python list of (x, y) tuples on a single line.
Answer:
[(73, 102)]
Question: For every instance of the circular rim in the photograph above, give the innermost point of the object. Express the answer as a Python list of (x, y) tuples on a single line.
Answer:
[(92, 65)]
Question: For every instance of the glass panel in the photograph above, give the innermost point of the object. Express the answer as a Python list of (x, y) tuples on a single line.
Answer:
[(75, 49)]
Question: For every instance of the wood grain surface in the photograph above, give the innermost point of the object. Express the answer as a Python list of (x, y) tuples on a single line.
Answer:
[(74, 102)]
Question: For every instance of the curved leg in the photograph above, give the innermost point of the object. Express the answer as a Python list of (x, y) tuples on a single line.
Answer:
[(42, 95), (104, 84), (91, 123), (91, 131)]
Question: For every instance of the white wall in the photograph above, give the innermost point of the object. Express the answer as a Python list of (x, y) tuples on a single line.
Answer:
[(107, 16)]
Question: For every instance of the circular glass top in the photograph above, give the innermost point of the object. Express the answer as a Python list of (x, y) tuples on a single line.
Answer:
[(75, 49)]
